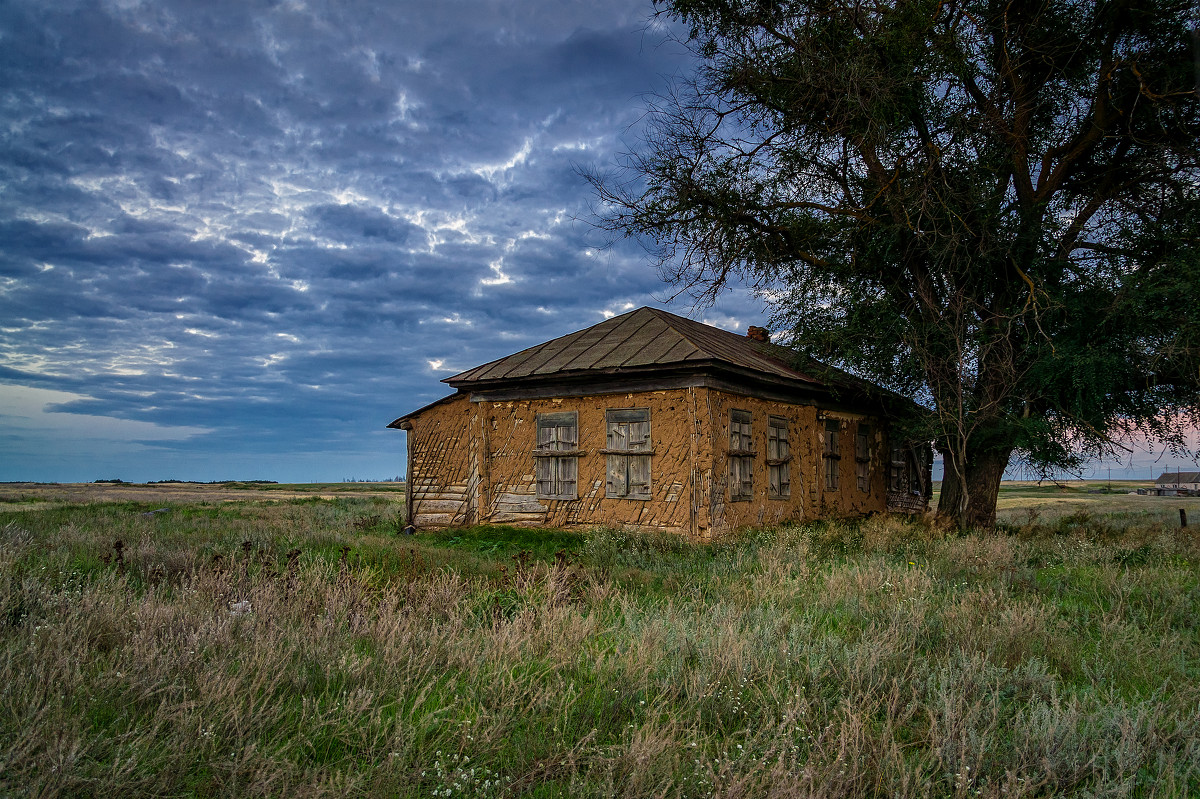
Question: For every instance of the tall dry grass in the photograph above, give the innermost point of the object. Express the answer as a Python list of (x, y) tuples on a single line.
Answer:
[(293, 650)]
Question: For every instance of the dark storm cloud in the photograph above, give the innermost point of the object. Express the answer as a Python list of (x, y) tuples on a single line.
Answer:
[(348, 222), (277, 225)]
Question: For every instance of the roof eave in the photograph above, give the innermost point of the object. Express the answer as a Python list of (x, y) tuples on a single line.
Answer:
[(749, 377)]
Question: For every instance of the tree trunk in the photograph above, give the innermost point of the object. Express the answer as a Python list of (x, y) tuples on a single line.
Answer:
[(969, 500)]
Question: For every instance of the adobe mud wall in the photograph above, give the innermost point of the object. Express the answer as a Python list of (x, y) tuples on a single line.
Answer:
[(473, 463), (511, 496), (809, 498)]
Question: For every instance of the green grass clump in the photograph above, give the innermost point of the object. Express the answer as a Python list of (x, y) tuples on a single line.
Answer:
[(306, 648)]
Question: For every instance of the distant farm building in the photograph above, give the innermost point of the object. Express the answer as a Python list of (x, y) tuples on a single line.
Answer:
[(658, 422), (1177, 483)]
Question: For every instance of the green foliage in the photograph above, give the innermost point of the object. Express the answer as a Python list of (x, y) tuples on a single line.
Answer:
[(870, 657), (990, 207), (501, 541)]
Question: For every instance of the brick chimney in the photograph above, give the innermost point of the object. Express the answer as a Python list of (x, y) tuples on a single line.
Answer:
[(759, 334)]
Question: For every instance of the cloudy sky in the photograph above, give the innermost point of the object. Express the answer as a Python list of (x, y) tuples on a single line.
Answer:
[(238, 238)]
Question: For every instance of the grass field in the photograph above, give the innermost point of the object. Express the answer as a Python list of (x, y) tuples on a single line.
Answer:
[(288, 642)]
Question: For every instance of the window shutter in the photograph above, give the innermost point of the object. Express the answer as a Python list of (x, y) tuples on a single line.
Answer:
[(639, 476), (628, 433), (777, 438), (556, 476), (833, 453), (568, 476), (740, 429), (568, 437), (545, 476), (618, 485), (617, 436), (639, 435)]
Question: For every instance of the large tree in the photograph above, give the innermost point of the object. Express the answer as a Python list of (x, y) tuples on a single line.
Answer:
[(991, 205)]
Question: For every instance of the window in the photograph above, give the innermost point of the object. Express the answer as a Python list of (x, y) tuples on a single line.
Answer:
[(741, 456), (908, 472), (862, 457), (628, 451), (779, 458), (898, 479), (556, 458), (832, 454)]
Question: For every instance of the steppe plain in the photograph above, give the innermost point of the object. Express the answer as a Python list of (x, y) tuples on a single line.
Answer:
[(250, 639)]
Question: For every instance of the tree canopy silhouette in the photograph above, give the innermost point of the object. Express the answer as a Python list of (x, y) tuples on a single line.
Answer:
[(989, 205)]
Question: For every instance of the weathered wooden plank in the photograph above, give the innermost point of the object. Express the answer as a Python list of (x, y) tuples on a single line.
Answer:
[(518, 518), (521, 507), (435, 519), (439, 505), (459, 497)]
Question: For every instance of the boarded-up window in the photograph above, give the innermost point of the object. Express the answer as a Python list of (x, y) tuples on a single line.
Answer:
[(556, 458), (832, 454), (862, 457), (907, 471), (741, 456), (628, 451), (779, 458), (898, 478)]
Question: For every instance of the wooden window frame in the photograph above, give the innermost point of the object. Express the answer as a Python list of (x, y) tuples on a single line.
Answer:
[(898, 476), (556, 455), (779, 458), (628, 452), (908, 471), (832, 454), (741, 455), (862, 457)]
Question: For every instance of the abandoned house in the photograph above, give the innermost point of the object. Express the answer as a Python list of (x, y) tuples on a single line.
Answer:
[(654, 421)]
